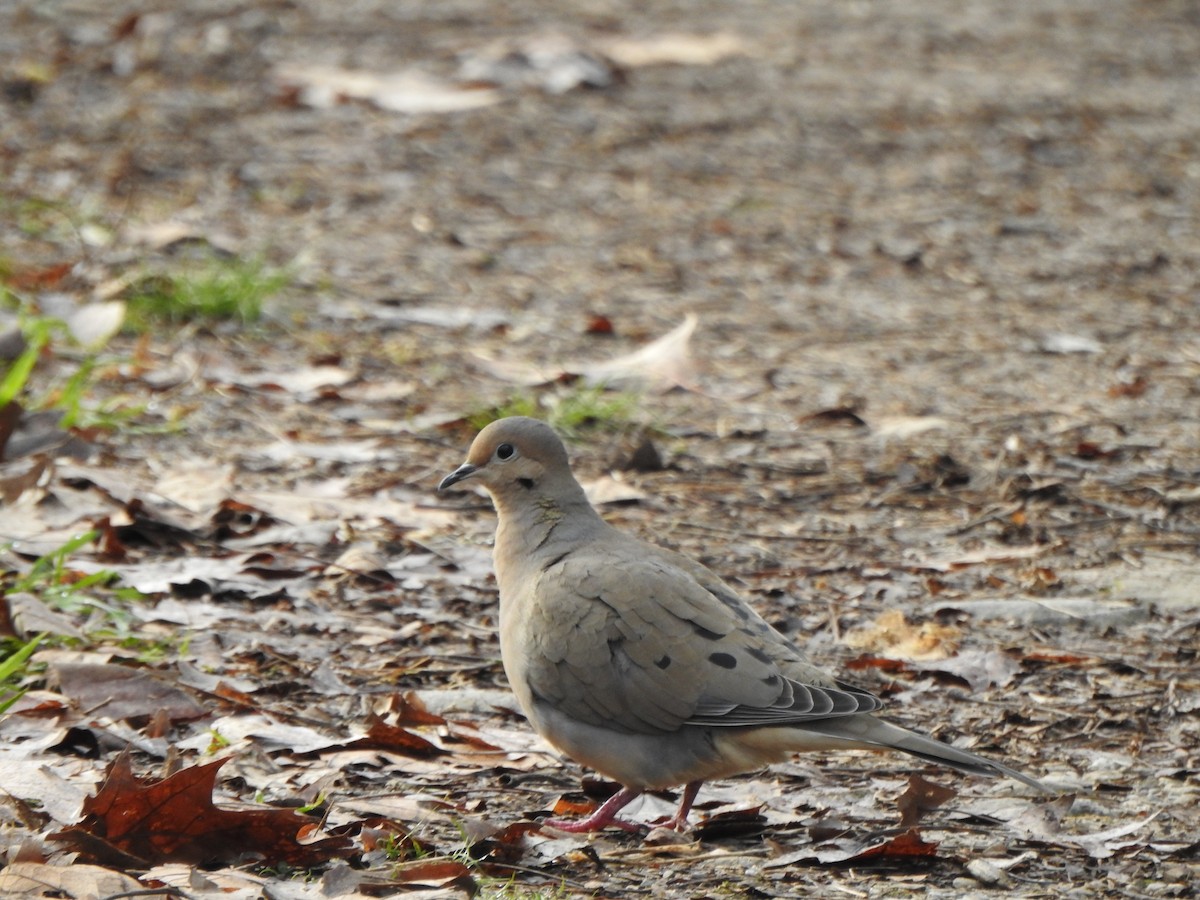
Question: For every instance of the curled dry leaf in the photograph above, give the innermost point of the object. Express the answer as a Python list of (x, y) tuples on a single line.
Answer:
[(361, 566), (410, 709), (609, 490), (394, 739), (162, 236), (908, 845), (675, 49), (663, 364), (430, 871), (304, 382), (409, 92)]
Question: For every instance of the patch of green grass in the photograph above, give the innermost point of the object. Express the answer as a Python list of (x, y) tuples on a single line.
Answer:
[(34, 216), (395, 848), (220, 290), (95, 596), (51, 568), (150, 650), (309, 808), (38, 332), (516, 405), (62, 588), (216, 742), (45, 218), (67, 591), (13, 667), (592, 407), (79, 368), (581, 407), (74, 395)]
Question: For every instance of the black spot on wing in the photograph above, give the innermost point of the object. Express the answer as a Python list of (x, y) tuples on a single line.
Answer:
[(755, 628), (663, 661), (735, 603), (761, 655), (724, 660), (705, 633)]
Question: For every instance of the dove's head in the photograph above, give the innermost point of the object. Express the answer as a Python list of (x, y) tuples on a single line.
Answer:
[(512, 457)]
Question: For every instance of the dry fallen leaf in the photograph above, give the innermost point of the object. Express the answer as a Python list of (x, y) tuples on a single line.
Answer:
[(982, 555), (675, 49), (303, 381), (121, 692), (409, 92), (77, 882), (662, 364), (1043, 822), (95, 323), (607, 490), (845, 850), (980, 669), (268, 734), (161, 236), (894, 634), (921, 797), (34, 779), (394, 739), (174, 819)]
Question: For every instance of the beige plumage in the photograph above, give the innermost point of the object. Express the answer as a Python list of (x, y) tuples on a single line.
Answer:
[(641, 663)]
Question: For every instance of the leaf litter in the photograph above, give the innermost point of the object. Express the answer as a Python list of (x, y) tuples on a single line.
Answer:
[(995, 512)]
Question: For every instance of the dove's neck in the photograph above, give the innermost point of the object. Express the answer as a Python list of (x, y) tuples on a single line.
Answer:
[(538, 525)]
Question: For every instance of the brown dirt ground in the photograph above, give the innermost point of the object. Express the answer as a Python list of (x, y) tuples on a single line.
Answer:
[(944, 258)]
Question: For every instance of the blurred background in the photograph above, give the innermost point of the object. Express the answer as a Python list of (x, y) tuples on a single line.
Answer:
[(876, 307)]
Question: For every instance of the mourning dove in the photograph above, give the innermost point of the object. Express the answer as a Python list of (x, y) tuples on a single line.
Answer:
[(641, 663)]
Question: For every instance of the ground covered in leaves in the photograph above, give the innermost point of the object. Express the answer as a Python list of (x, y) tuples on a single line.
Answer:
[(887, 312)]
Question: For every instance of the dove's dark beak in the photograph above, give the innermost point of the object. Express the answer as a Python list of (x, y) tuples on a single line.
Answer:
[(466, 470)]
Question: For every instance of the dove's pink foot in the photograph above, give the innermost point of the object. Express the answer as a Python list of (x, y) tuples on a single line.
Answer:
[(603, 817), (679, 821), (606, 815)]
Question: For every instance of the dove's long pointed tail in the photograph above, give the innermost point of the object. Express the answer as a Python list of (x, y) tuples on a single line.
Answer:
[(872, 732)]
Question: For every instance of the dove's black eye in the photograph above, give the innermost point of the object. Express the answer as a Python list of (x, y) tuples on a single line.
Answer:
[(504, 451)]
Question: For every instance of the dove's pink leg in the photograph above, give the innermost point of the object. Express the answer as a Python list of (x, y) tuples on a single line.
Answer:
[(679, 822), (604, 816)]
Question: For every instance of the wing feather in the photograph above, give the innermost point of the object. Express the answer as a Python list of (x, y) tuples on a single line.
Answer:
[(656, 645)]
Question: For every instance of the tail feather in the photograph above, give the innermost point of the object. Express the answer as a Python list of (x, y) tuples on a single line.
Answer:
[(872, 732)]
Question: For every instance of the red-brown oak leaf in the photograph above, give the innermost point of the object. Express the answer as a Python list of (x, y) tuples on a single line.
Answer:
[(174, 820)]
